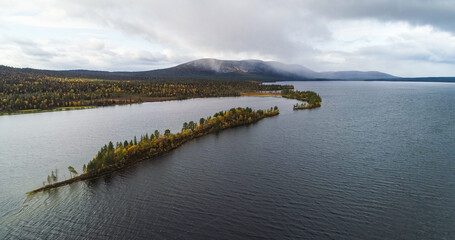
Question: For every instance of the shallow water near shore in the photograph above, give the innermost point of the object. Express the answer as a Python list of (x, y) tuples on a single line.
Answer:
[(376, 161)]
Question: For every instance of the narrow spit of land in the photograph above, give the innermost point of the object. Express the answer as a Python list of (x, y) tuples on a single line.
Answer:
[(313, 99), (113, 158)]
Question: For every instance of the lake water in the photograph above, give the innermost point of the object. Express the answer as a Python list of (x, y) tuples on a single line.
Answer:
[(376, 161)]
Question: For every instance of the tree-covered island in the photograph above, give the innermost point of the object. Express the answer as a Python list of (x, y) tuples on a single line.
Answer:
[(313, 99), (113, 157)]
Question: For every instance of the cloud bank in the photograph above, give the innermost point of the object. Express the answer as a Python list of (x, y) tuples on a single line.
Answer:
[(406, 38)]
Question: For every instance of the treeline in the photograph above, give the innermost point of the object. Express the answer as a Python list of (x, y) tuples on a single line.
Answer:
[(112, 156), (27, 91), (313, 99)]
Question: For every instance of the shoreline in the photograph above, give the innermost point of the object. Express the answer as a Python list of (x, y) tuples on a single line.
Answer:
[(60, 109), (145, 99), (260, 94)]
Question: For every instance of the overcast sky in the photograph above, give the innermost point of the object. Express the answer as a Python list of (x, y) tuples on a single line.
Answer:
[(404, 38)]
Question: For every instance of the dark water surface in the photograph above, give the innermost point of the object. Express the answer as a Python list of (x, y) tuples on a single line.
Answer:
[(377, 161)]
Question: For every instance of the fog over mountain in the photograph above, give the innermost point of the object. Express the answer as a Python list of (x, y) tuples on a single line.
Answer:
[(209, 68), (272, 69)]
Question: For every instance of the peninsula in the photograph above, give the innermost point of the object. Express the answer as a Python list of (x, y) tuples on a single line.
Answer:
[(112, 158), (313, 99)]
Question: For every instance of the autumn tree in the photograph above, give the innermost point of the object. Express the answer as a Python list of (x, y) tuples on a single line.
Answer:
[(72, 171)]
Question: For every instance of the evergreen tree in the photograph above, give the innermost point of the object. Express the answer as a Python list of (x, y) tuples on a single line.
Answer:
[(167, 132)]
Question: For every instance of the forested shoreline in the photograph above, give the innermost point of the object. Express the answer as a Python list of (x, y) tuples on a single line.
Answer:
[(112, 157), (313, 99), (30, 92)]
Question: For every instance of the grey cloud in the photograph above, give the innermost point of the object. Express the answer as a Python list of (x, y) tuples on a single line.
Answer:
[(294, 31), (91, 54), (408, 52), (32, 48), (278, 30), (262, 27), (437, 13)]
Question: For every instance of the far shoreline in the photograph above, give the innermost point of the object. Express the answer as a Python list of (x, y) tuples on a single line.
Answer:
[(145, 100)]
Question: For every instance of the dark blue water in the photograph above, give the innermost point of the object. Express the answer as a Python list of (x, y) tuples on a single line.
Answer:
[(376, 161)]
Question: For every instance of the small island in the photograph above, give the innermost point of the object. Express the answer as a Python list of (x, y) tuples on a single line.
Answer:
[(313, 99), (112, 158)]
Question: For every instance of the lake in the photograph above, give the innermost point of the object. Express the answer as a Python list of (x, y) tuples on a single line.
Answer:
[(376, 161)]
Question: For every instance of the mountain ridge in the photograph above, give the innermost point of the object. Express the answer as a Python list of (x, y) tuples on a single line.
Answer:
[(274, 68), (210, 68)]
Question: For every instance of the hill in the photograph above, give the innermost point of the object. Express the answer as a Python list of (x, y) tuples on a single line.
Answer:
[(258, 70), (216, 69)]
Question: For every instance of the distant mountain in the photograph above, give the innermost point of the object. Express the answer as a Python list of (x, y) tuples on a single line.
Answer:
[(257, 69), (247, 66), (355, 75), (220, 69)]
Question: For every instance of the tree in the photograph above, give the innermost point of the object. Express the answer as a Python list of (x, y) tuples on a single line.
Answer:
[(53, 177), (84, 169), (73, 171), (167, 132), (201, 121), (157, 134), (191, 125)]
